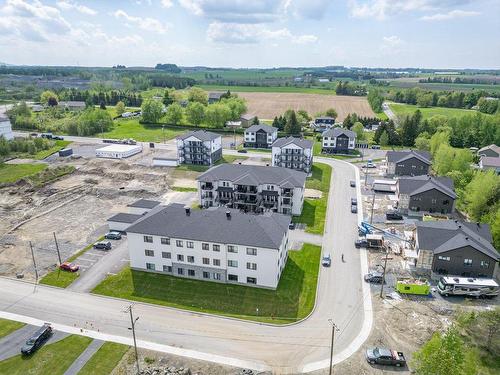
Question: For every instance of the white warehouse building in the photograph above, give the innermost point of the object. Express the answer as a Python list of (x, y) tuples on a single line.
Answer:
[(118, 151), (5, 127), (217, 244)]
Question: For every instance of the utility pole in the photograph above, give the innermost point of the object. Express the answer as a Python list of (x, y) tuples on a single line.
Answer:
[(373, 205), (366, 173), (34, 263), (57, 248), (334, 328), (132, 321), (383, 275)]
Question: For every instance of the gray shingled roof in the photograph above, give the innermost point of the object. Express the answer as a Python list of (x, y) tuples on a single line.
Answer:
[(212, 225), (490, 161), (492, 147), (303, 143), (125, 218), (244, 174), (215, 95), (247, 116), (202, 135), (335, 132), (398, 156), (144, 203), (445, 235), (419, 184), (266, 128)]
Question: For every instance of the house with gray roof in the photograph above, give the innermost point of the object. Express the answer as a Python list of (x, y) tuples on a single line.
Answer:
[(142, 206), (492, 151), (199, 147), (338, 141), (490, 162), (72, 105), (253, 188), (408, 163), (422, 194), (214, 96), (294, 153), (260, 136), (452, 247), (247, 120), (216, 244)]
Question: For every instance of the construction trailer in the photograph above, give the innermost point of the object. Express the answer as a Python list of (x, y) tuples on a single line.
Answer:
[(413, 286), (385, 186), (374, 241)]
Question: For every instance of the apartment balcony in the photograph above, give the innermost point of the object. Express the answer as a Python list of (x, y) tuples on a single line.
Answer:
[(287, 193), (207, 186)]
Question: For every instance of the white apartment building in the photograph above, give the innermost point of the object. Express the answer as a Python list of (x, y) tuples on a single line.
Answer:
[(338, 141), (199, 147), (293, 153), (260, 136), (253, 188), (216, 244)]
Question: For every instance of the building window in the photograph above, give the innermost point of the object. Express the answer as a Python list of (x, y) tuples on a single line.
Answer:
[(206, 275), (190, 259), (232, 249), (485, 264), (444, 258), (216, 262), (178, 243), (148, 239), (216, 247), (167, 268), (251, 280), (217, 276), (232, 277), (251, 251), (468, 262), (166, 255), (232, 263), (205, 246), (180, 271), (180, 257), (165, 241), (252, 266), (189, 244), (206, 261), (191, 273), (434, 201), (150, 266), (149, 253)]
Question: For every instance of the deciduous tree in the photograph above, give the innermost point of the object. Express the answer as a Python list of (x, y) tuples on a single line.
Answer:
[(152, 111)]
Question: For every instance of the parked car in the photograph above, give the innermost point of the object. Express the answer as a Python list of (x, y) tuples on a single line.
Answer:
[(375, 147), (383, 356), (291, 226), (37, 339), (393, 215), (71, 267), (326, 261), (47, 135), (103, 245), (360, 243), (370, 165), (354, 208), (58, 138), (113, 235), (352, 183), (354, 201), (374, 277), (242, 151), (34, 135)]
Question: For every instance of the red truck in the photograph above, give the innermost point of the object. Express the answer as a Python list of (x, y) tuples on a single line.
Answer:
[(383, 356)]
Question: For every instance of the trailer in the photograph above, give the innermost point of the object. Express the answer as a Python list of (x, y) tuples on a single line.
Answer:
[(413, 286), (66, 152), (374, 241), (385, 186)]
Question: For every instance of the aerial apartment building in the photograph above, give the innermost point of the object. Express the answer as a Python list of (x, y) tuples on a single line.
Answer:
[(199, 147), (293, 153)]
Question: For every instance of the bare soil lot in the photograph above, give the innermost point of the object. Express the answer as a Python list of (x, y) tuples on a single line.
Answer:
[(267, 105)]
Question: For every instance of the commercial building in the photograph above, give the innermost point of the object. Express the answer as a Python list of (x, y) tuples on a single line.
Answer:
[(422, 194), (5, 127), (199, 147), (293, 153), (253, 188), (260, 136), (118, 151), (338, 141), (451, 247), (218, 244), (408, 163)]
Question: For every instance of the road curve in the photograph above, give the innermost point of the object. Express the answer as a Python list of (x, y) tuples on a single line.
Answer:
[(301, 347)]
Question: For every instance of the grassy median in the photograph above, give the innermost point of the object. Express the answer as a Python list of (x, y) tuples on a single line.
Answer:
[(9, 326), (291, 301), (105, 359)]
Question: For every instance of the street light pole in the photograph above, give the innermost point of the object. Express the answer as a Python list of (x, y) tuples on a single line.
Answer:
[(34, 263), (133, 321), (57, 248), (383, 275), (334, 328)]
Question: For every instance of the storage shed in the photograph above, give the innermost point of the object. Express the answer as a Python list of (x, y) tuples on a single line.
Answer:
[(118, 151), (120, 222), (385, 186), (164, 162)]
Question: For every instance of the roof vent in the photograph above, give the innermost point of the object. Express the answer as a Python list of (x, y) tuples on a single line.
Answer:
[(188, 210), (228, 214), (466, 238), (267, 164)]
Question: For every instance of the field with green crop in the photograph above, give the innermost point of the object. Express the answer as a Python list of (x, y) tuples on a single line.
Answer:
[(402, 110)]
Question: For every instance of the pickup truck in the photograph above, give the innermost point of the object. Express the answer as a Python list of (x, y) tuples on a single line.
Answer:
[(383, 356)]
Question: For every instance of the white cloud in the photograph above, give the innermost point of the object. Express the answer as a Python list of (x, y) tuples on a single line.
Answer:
[(305, 39), (68, 5), (457, 13), (391, 45), (167, 3), (146, 23), (392, 41), (313, 9)]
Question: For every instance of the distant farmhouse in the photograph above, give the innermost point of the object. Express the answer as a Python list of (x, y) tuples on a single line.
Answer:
[(214, 97), (72, 105)]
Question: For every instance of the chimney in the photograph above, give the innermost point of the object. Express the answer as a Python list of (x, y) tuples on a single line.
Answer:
[(228, 215), (188, 210)]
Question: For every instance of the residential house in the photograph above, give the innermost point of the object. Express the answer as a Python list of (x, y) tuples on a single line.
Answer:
[(424, 193), (490, 151), (5, 127), (253, 188), (451, 247), (247, 120), (260, 136), (218, 244), (199, 147), (323, 123), (338, 141), (408, 163), (72, 105), (214, 97), (294, 153), (490, 162)]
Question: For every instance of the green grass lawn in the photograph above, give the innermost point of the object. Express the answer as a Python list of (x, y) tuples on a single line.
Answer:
[(257, 150), (183, 189), (105, 359), (202, 168), (131, 128), (53, 359), (304, 90), (317, 152), (402, 110), (10, 173), (59, 278), (291, 301), (9, 326), (40, 155)]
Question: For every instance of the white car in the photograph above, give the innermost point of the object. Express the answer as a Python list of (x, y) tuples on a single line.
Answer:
[(326, 261)]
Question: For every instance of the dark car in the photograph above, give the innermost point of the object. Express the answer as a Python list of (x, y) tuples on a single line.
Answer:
[(375, 147), (103, 245), (291, 226), (360, 243), (113, 235), (57, 138), (354, 201), (383, 356), (71, 267), (354, 208), (37, 339), (242, 151), (393, 215), (352, 183), (374, 277)]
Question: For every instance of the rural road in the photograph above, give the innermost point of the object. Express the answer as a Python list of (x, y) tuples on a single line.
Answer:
[(388, 111), (303, 347)]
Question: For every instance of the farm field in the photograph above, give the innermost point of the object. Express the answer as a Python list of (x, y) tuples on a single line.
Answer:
[(404, 83), (267, 105), (409, 109), (293, 89)]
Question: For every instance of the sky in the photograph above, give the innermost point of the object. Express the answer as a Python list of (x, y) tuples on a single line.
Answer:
[(252, 33)]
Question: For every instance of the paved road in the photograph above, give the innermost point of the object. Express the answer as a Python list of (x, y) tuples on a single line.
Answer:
[(388, 111), (342, 296)]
